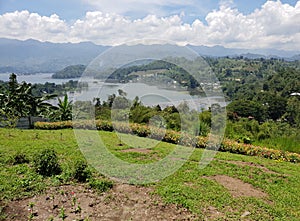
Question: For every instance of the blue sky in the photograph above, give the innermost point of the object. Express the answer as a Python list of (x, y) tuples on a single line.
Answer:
[(231, 23)]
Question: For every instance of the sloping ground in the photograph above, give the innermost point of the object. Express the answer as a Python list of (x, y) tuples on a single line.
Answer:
[(123, 202), (231, 187)]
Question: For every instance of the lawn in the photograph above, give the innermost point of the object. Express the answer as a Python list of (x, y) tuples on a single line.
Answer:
[(232, 186)]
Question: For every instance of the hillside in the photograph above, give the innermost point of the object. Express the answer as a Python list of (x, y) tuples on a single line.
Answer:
[(231, 187), (72, 71)]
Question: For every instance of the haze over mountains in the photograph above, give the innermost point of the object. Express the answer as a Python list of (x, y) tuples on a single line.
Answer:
[(32, 56)]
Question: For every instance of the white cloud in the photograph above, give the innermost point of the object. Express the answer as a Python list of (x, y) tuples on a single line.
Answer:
[(23, 25), (274, 25)]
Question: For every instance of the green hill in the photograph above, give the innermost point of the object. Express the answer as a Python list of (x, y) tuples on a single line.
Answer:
[(231, 187), (72, 71)]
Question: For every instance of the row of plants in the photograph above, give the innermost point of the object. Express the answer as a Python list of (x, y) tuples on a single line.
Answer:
[(171, 136)]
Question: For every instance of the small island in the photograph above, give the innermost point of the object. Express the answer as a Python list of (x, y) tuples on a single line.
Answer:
[(72, 71)]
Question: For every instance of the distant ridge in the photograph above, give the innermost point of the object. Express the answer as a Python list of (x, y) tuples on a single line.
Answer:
[(32, 56), (35, 56), (220, 51)]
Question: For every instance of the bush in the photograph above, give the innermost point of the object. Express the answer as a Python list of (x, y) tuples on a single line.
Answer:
[(46, 163), (81, 172)]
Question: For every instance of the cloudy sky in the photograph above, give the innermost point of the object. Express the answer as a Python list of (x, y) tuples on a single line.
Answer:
[(231, 23)]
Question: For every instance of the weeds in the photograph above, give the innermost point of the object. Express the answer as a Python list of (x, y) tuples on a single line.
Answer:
[(62, 213)]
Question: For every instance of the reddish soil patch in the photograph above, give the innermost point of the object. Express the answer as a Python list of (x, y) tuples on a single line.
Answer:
[(137, 150), (237, 187), (123, 202)]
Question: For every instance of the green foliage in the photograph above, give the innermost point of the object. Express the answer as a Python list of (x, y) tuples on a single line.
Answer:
[(18, 101), (72, 71), (293, 111), (81, 172), (101, 185), (246, 108), (58, 89), (46, 163), (276, 135), (64, 110)]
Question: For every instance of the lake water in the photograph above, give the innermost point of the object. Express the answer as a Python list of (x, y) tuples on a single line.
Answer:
[(149, 95), (36, 78)]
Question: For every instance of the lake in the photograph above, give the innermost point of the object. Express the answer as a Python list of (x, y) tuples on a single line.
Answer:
[(149, 95), (36, 78)]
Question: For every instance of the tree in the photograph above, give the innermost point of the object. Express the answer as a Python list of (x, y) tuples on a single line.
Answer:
[(64, 111), (248, 108), (293, 111), (18, 101), (275, 104)]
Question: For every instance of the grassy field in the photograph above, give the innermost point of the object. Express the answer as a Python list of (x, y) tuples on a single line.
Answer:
[(205, 192)]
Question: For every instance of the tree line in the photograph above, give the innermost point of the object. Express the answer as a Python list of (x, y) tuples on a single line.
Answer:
[(18, 100)]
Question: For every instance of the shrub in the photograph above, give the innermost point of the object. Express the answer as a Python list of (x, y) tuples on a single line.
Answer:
[(81, 172), (46, 163)]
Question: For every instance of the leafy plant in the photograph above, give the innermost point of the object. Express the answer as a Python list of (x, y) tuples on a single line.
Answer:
[(81, 171), (46, 163)]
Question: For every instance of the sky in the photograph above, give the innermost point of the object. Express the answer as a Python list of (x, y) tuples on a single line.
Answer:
[(230, 23)]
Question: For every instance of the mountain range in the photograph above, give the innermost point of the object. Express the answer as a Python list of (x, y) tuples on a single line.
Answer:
[(32, 56)]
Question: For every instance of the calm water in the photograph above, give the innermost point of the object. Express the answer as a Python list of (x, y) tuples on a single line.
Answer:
[(35, 78), (149, 95)]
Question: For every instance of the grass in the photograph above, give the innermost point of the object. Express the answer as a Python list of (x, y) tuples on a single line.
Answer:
[(291, 143), (188, 186)]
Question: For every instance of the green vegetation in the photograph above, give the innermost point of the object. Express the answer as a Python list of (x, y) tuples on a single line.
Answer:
[(72, 71), (48, 158), (191, 187), (51, 88), (264, 111), (242, 147), (156, 72), (20, 100), (46, 163)]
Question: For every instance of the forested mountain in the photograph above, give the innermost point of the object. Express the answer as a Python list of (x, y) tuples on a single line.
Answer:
[(35, 56)]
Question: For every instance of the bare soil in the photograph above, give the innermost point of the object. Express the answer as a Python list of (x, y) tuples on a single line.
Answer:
[(123, 202), (237, 187)]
